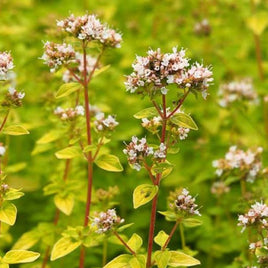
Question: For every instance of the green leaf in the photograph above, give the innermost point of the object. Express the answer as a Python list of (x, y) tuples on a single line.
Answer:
[(135, 242), (163, 168), (121, 261), (143, 194), (258, 23), (192, 222), (27, 240), (109, 162), (50, 137), (16, 167), (20, 256), (137, 262), (183, 120), (4, 265), (15, 130), (8, 213), (68, 153), (90, 148), (162, 258), (161, 238), (64, 203), (145, 113), (101, 70), (170, 215), (178, 259), (13, 194), (67, 89), (123, 227), (63, 247)]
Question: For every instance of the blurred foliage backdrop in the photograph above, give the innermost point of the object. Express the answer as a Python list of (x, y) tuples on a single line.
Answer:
[(229, 48)]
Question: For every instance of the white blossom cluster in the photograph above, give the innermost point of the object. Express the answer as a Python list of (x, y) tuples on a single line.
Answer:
[(2, 149), (202, 28), (6, 64), (183, 132), (238, 160), (152, 124), (79, 67), (13, 98), (237, 91), (105, 221), (185, 203), (219, 188), (136, 151), (160, 153), (69, 113), (4, 188), (89, 28), (56, 55), (153, 73), (257, 215), (103, 123)]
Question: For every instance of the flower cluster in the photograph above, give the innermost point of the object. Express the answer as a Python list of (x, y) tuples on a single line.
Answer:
[(106, 195), (153, 124), (185, 203), (56, 55), (104, 124), (160, 153), (105, 221), (2, 149), (4, 188), (237, 91), (155, 72), (89, 28), (257, 215), (69, 113), (202, 28), (136, 151), (79, 67), (13, 98), (6, 64), (248, 162), (219, 188)]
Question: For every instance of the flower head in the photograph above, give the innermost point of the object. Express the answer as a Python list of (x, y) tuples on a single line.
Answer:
[(6, 64), (90, 28), (69, 113), (103, 123), (106, 221), (56, 55)]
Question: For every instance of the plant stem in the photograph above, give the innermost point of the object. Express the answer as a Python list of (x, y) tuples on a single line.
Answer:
[(243, 187), (104, 252), (124, 243), (259, 56), (170, 235), (183, 244), (45, 260), (4, 121)]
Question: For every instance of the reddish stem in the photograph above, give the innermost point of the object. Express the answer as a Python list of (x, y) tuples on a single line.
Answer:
[(157, 108), (4, 121), (45, 260), (149, 172), (259, 56), (170, 235), (124, 243)]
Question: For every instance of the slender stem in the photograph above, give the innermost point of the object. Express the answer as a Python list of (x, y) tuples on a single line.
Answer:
[(45, 260), (82, 257), (149, 172), (104, 252), (74, 75), (183, 244), (170, 235), (157, 108), (259, 56), (98, 149), (124, 243), (243, 187), (4, 121), (179, 104)]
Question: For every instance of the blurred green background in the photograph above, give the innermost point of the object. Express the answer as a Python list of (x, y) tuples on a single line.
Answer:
[(229, 48)]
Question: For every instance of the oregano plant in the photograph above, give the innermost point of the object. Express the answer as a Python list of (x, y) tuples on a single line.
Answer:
[(11, 100)]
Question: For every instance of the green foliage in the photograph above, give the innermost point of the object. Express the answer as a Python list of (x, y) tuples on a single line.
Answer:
[(183, 120), (109, 162), (143, 194), (67, 89), (15, 130), (8, 213)]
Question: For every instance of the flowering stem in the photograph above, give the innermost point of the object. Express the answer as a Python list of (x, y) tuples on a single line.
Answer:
[(183, 244), (4, 121), (157, 108), (124, 243), (243, 187), (259, 56), (170, 235), (179, 104), (104, 252), (98, 149), (149, 172)]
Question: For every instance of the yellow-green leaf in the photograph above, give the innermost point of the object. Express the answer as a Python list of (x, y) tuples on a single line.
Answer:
[(68, 153), (109, 162), (258, 23), (148, 112), (135, 242), (64, 203), (4, 265), (179, 259), (101, 70), (162, 258), (137, 261), (27, 240), (8, 213), (143, 194), (192, 222), (20, 256), (15, 130), (183, 120), (89, 148), (161, 238), (49, 137), (121, 261), (63, 247), (67, 89), (13, 194)]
